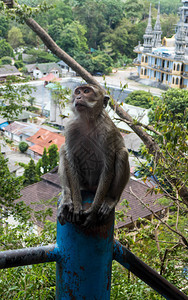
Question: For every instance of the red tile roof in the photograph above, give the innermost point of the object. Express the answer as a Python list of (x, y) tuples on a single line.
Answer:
[(45, 138)]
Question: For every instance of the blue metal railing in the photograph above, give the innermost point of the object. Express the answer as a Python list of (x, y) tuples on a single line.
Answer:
[(84, 261)]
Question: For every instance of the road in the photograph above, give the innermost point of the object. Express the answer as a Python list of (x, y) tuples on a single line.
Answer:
[(121, 77)]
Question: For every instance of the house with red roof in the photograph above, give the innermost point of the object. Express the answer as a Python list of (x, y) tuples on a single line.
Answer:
[(43, 138)]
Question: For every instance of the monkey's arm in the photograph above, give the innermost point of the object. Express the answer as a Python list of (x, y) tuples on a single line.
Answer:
[(70, 206)]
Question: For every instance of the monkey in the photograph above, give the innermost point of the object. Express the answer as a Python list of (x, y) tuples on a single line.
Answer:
[(94, 158)]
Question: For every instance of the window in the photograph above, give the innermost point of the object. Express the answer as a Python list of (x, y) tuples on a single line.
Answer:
[(173, 80), (177, 80), (178, 67)]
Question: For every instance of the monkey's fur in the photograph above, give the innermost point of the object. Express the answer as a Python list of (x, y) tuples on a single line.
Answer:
[(94, 158)]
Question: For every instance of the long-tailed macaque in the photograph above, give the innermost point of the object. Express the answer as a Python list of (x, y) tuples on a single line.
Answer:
[(94, 158)]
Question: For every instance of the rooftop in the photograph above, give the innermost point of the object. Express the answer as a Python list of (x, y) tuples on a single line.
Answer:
[(50, 187), (45, 138)]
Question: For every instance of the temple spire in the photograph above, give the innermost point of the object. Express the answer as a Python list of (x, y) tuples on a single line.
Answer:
[(180, 39), (157, 30), (148, 36)]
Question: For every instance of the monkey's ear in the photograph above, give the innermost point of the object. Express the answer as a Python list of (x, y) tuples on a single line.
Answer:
[(106, 99)]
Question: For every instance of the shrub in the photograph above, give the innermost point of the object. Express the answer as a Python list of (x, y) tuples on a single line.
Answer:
[(23, 146)]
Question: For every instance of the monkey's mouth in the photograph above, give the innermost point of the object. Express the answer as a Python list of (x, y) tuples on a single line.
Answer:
[(79, 105)]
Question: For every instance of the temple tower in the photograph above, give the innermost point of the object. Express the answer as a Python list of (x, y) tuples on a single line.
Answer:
[(148, 36), (180, 39), (157, 30)]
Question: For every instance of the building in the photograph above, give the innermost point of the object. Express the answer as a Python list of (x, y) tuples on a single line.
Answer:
[(165, 63), (38, 71), (19, 132), (49, 187), (8, 70), (43, 139)]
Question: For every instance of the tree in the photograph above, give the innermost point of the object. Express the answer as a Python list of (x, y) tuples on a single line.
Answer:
[(134, 10), (12, 97), (141, 98), (56, 28), (39, 167), (41, 56), (72, 38), (6, 60), (19, 64), (15, 37), (4, 26), (9, 188), (171, 107), (53, 156), (90, 14), (30, 175), (5, 49), (23, 146), (45, 161), (113, 12)]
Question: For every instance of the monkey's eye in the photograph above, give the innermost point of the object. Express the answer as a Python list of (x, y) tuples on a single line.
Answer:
[(86, 91), (77, 92)]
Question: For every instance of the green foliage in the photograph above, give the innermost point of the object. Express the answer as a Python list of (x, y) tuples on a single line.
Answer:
[(56, 28), (53, 156), (23, 146), (171, 107), (5, 49), (99, 61), (141, 98), (41, 56), (30, 175), (45, 161), (15, 37), (4, 26), (39, 167), (10, 185), (28, 282), (11, 99), (160, 248), (19, 64), (6, 60), (72, 38)]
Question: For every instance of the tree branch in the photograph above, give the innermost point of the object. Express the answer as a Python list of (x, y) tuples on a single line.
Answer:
[(184, 240)]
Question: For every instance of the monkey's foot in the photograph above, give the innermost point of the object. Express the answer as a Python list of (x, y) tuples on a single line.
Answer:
[(65, 212), (90, 219), (104, 211)]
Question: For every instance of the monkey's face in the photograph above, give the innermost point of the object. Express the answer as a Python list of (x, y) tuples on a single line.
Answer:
[(84, 98), (88, 99)]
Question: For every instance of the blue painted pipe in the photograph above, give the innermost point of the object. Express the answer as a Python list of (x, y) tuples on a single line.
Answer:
[(84, 260)]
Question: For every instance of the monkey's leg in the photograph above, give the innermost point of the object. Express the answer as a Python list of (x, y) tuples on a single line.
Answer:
[(106, 178), (70, 206), (120, 179)]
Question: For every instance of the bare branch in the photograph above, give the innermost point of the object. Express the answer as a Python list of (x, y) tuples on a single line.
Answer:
[(184, 240)]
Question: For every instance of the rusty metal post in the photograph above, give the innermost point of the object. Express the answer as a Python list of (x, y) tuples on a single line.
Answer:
[(85, 260)]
